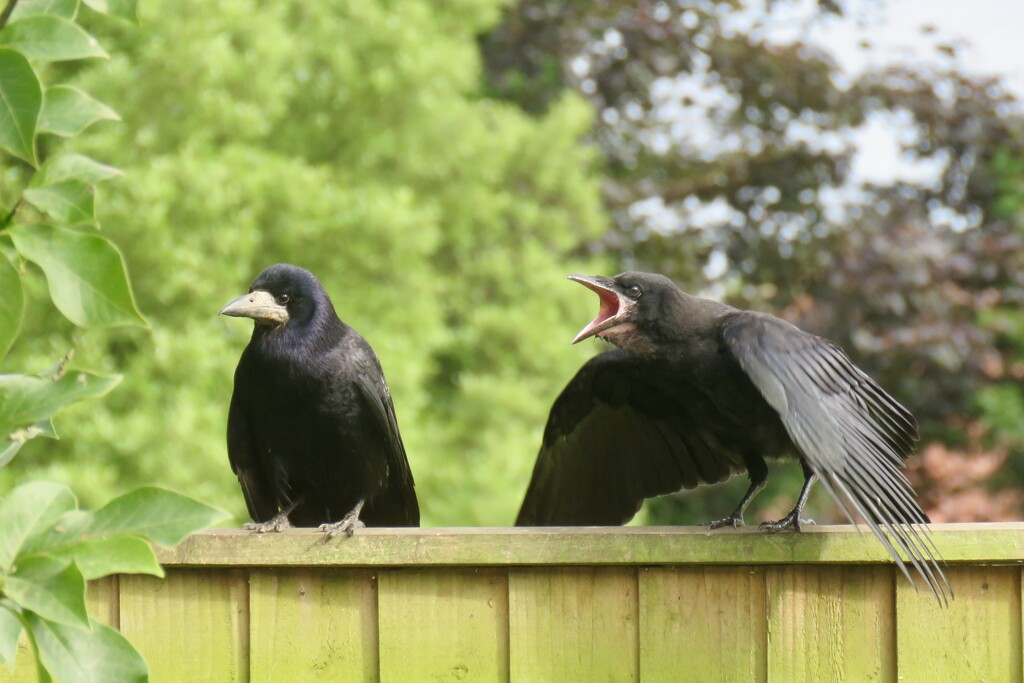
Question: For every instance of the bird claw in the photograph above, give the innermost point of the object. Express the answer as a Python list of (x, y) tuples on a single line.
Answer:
[(348, 525), (734, 520), (790, 521), (278, 522)]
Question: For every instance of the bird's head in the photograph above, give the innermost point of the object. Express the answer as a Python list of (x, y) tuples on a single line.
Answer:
[(281, 295), (631, 304)]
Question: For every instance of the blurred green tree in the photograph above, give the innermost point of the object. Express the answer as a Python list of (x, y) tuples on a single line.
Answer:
[(351, 139)]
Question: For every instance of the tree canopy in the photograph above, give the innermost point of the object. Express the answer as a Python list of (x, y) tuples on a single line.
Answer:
[(442, 166)]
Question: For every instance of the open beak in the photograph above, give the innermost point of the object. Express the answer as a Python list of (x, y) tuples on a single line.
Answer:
[(615, 308), (258, 305)]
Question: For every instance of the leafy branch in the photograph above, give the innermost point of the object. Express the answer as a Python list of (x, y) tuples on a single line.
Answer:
[(49, 548)]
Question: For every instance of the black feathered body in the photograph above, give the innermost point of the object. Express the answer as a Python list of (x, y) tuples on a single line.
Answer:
[(700, 391), (312, 429), (679, 413)]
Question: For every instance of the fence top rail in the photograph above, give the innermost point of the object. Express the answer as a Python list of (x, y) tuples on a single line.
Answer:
[(997, 543)]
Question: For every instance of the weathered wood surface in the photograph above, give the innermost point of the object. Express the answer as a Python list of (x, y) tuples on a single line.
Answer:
[(443, 625), (554, 605), (190, 626), (703, 624), (503, 546), (573, 623)]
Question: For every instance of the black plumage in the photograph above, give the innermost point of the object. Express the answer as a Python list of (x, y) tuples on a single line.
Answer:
[(312, 433), (698, 391)]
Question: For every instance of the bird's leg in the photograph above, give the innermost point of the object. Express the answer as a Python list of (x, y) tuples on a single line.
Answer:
[(792, 520), (758, 476), (278, 522), (348, 524)]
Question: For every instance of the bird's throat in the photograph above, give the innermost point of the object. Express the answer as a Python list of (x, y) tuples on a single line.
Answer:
[(621, 335)]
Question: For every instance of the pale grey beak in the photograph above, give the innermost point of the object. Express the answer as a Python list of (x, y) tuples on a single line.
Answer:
[(258, 305)]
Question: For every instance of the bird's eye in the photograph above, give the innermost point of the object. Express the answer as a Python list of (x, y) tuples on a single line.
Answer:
[(283, 299), (634, 291)]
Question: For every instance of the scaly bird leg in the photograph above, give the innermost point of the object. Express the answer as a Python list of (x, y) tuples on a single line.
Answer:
[(348, 524), (278, 522), (792, 520), (758, 477)]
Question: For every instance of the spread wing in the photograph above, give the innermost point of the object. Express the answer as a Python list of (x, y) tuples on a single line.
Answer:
[(397, 505), (615, 436), (258, 495), (853, 435)]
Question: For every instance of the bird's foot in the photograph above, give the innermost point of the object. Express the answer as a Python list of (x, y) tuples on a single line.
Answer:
[(347, 525), (278, 522), (734, 520), (790, 521)]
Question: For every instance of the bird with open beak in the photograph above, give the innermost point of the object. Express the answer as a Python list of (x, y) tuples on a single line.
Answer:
[(698, 391)]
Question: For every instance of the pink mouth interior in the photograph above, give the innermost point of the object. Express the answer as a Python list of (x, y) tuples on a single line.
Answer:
[(609, 306), (609, 309)]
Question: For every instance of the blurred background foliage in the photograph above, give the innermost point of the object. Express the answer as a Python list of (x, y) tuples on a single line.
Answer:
[(442, 166)]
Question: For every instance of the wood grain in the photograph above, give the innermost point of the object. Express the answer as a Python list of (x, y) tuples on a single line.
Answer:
[(702, 625), (977, 638), (831, 624), (310, 625), (191, 626), (581, 546), (573, 624), (443, 625)]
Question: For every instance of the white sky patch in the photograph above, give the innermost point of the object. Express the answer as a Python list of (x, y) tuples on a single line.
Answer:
[(693, 110), (985, 35), (689, 107), (880, 158)]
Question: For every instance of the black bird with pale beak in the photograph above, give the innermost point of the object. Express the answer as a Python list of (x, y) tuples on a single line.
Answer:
[(312, 434), (698, 391)]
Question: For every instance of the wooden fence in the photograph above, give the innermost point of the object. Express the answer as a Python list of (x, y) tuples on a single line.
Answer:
[(579, 605)]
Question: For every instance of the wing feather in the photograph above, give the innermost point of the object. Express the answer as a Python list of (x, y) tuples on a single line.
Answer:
[(613, 438), (397, 505), (851, 433), (259, 500)]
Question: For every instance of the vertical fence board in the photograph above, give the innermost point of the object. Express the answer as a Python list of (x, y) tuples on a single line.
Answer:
[(443, 624), (573, 624), (976, 638), (702, 625), (191, 626), (23, 669), (103, 598), (831, 623), (313, 625)]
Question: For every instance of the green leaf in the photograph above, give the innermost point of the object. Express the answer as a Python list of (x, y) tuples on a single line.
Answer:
[(125, 9), (9, 449), (20, 437), (52, 588), (66, 532), (29, 510), (67, 111), (72, 166), (26, 400), (21, 100), (49, 38), (10, 632), (85, 273), (97, 557), (72, 655), (163, 516), (69, 201), (12, 304), (58, 8)]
